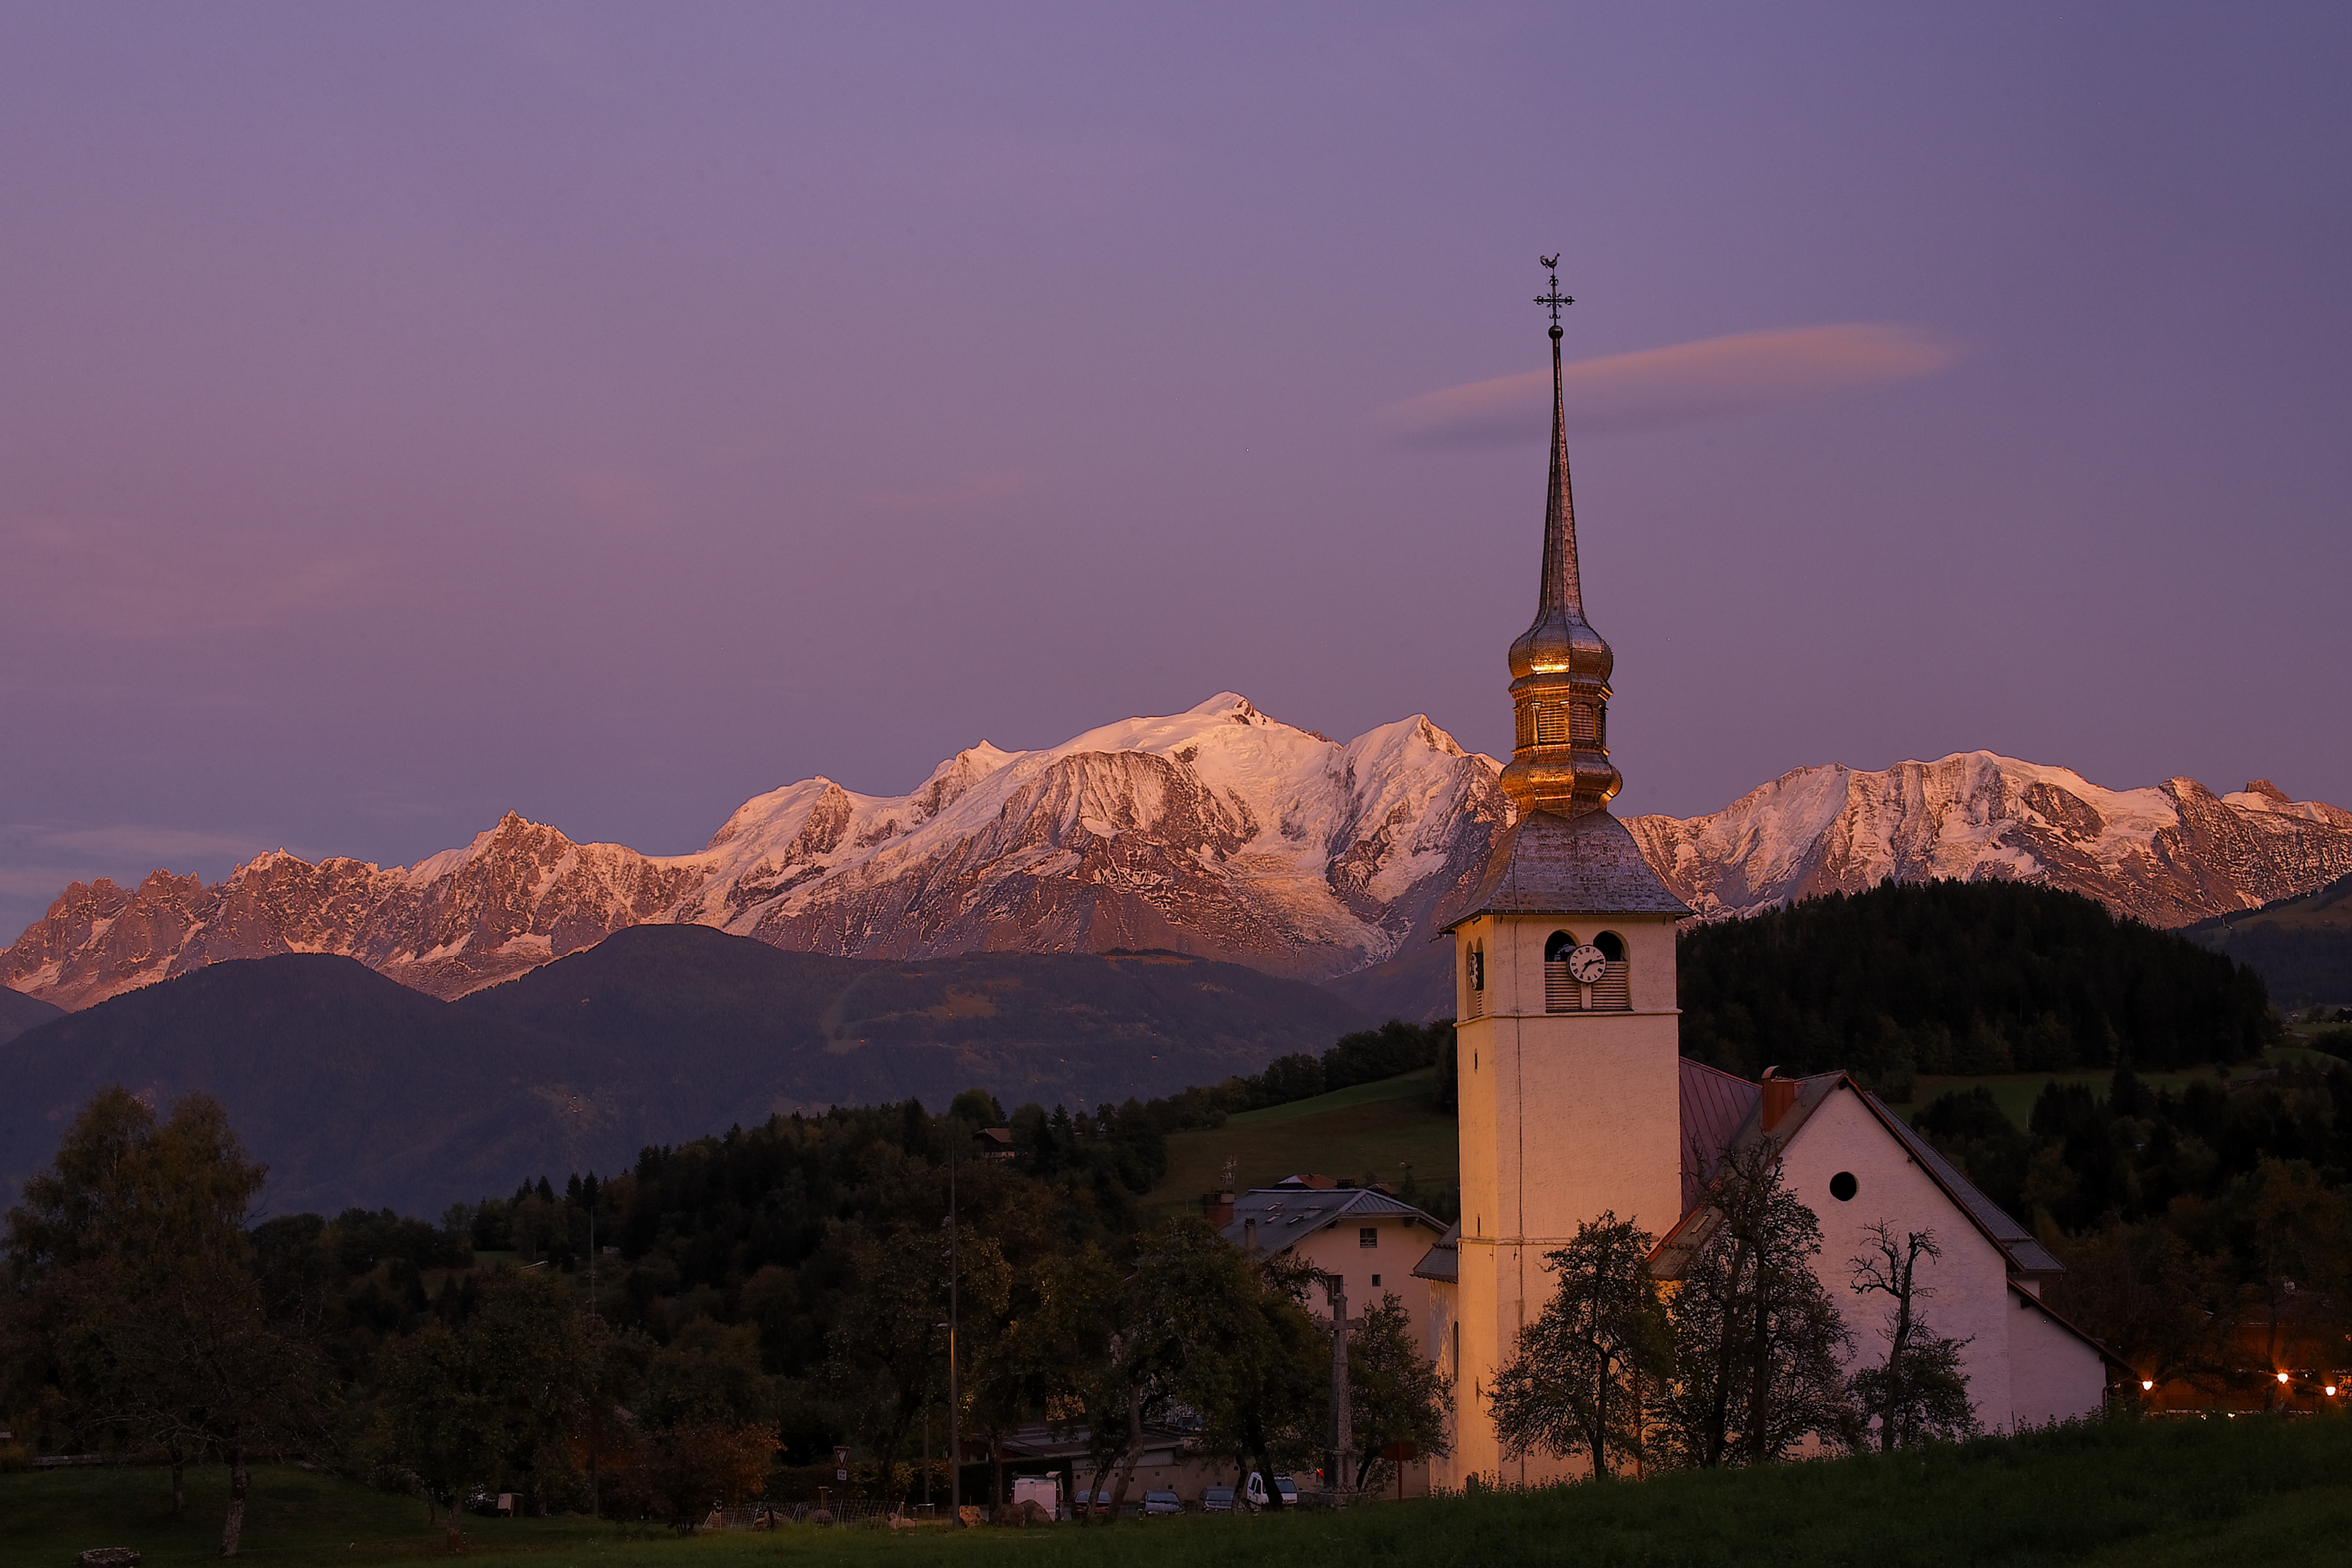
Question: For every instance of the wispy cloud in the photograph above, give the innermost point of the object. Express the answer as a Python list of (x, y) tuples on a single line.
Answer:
[(140, 580), (123, 843), (39, 859), (1710, 379), (955, 495)]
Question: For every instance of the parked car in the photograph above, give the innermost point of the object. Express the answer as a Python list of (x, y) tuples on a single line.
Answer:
[(1095, 1503), (1285, 1494), (1217, 1499), (1163, 1502)]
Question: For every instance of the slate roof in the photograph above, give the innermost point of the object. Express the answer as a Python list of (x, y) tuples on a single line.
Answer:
[(1285, 1215), (1550, 863), (1715, 1104), (1444, 1261)]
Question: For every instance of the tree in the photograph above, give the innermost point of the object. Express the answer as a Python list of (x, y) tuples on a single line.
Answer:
[(1395, 1394), (2144, 1294), (706, 1372), (1919, 1394), (889, 1345), (2289, 1233), (1228, 1337), (131, 1272), (1574, 1385), (680, 1473), (1758, 1343), (1076, 1357), (492, 1402)]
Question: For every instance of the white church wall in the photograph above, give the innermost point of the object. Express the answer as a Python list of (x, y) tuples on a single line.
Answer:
[(1563, 1116), (1970, 1281), (2053, 1375)]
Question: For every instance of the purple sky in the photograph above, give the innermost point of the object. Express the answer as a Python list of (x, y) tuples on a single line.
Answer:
[(412, 412)]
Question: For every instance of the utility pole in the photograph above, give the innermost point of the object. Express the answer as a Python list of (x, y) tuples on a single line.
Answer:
[(595, 1393), (955, 1386), (1342, 1439)]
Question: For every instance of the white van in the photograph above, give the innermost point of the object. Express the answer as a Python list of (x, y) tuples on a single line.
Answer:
[(1045, 1491)]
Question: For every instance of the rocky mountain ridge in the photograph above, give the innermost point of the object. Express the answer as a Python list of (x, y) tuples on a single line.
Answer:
[(2167, 854), (1217, 832)]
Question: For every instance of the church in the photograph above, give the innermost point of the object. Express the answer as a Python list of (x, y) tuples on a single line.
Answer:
[(1575, 1099)]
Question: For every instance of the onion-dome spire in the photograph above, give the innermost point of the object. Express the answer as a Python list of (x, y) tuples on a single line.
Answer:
[(1559, 667)]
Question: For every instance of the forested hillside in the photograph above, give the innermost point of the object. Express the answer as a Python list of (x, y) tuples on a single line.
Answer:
[(2301, 947), (356, 1090), (1960, 977)]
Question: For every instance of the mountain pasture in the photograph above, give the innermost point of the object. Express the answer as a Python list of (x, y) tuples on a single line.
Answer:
[(1386, 1130)]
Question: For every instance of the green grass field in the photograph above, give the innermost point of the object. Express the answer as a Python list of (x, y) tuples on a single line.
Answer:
[(1377, 1128), (2016, 1092), (1373, 1129), (2151, 1495)]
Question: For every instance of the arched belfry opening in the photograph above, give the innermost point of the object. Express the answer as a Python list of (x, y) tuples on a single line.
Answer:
[(1614, 992), (1562, 994), (1474, 966), (1587, 977)]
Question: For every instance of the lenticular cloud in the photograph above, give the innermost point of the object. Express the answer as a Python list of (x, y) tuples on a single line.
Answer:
[(1709, 379)]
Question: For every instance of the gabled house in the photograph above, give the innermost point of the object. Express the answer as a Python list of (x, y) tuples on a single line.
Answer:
[(1369, 1238)]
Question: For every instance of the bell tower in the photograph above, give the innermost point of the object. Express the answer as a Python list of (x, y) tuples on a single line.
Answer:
[(1565, 1005)]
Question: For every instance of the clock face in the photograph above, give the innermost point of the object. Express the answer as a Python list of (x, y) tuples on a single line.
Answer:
[(1586, 964)]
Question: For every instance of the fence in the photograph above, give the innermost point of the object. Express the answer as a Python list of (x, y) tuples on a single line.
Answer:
[(863, 1513)]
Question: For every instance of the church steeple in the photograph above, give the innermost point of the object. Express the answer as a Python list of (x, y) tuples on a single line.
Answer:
[(1559, 666)]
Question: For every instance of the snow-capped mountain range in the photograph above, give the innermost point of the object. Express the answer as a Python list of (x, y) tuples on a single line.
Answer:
[(1217, 831)]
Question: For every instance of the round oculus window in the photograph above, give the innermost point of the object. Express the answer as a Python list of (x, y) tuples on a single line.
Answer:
[(1843, 1187)]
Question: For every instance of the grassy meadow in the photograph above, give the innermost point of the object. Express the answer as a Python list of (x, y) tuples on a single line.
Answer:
[(2151, 1494), (1374, 1129), (1380, 1129), (2016, 1092)]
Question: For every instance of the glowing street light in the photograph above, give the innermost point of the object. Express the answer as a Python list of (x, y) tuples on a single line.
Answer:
[(2282, 1377), (2331, 1391), (2146, 1383)]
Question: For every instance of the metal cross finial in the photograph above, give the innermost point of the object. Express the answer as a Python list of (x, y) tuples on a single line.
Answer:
[(1555, 300)]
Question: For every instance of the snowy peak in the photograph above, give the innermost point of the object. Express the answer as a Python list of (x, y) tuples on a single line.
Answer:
[(2168, 854), (1218, 831)]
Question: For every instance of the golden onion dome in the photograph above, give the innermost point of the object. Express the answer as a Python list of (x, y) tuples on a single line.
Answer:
[(1559, 666)]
